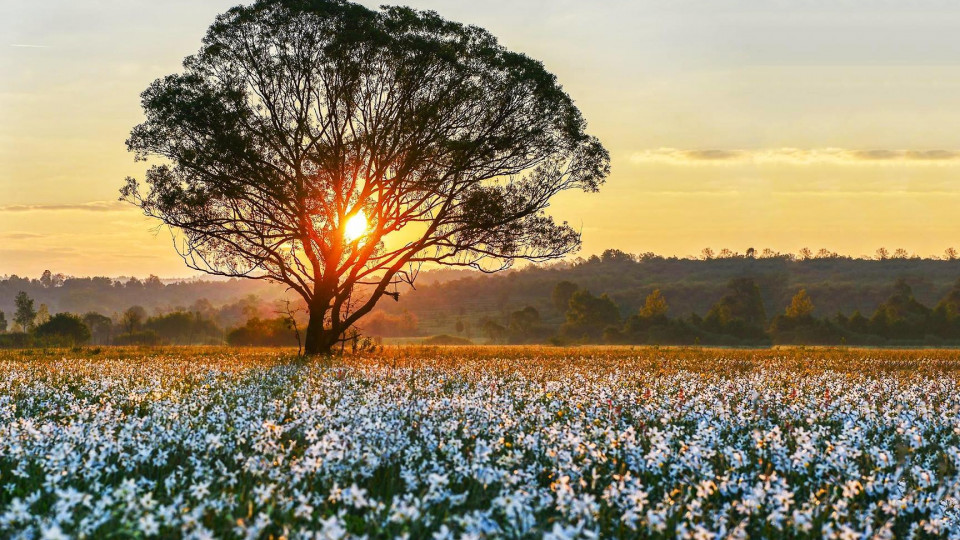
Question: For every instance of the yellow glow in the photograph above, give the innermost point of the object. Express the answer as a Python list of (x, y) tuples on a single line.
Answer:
[(355, 228)]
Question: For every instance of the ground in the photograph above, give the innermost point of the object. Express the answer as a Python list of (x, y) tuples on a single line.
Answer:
[(517, 442)]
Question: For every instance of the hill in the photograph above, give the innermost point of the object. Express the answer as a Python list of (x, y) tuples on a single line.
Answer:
[(835, 284)]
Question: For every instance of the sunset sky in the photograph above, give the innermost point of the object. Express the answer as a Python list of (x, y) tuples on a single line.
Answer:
[(731, 123)]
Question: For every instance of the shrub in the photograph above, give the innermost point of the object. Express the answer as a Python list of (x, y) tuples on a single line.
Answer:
[(63, 329), (143, 337)]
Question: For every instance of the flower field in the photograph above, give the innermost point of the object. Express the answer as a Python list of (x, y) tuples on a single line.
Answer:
[(521, 442)]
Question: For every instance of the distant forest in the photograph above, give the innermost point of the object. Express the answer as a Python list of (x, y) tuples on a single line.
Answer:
[(835, 284), (526, 305)]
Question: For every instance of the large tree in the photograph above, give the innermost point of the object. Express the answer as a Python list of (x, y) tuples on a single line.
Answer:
[(299, 120)]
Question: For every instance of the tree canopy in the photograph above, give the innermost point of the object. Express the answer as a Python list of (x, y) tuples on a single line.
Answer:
[(296, 116)]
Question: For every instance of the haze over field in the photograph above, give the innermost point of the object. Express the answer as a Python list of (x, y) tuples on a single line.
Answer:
[(729, 123)]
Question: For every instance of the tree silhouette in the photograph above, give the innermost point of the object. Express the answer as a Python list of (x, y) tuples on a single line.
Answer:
[(588, 315), (66, 327), (296, 117), (25, 313), (132, 319), (562, 292)]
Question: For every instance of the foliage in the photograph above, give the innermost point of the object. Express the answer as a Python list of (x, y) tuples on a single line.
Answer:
[(740, 312), (562, 292), (64, 329), (295, 117), (25, 314), (137, 337), (16, 340), (183, 328), (655, 306), (524, 326), (588, 316), (263, 333), (800, 305)]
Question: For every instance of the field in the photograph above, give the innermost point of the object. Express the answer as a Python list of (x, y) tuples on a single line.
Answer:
[(480, 443)]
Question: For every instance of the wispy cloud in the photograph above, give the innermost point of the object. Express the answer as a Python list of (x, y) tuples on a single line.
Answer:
[(92, 206), (796, 156), (28, 46), (20, 236)]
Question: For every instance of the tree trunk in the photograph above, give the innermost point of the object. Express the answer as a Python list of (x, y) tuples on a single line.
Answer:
[(319, 340)]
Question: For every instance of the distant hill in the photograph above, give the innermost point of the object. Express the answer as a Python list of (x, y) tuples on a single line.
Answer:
[(444, 296), (835, 284), (110, 296)]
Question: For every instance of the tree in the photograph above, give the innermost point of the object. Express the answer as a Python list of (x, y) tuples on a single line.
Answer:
[(616, 256), (42, 316), (805, 254), (25, 314), (133, 318), (65, 326), (800, 306), (47, 279), (305, 137), (706, 254), (950, 254), (100, 327), (739, 313), (588, 316), (654, 306), (824, 253), (523, 324), (901, 316), (494, 331), (562, 292), (263, 333), (3, 322), (882, 254)]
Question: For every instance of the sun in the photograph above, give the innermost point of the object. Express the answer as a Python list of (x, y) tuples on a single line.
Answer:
[(355, 228)]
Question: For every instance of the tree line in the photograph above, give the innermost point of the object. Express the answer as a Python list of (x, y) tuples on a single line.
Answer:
[(244, 322), (737, 318), (692, 285)]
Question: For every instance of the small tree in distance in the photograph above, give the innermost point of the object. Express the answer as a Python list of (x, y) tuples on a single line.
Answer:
[(800, 306), (562, 292), (25, 314), (331, 147), (654, 306)]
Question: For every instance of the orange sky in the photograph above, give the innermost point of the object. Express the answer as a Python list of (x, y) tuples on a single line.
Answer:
[(731, 123)]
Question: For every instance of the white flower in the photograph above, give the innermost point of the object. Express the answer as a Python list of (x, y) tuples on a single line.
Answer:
[(149, 525)]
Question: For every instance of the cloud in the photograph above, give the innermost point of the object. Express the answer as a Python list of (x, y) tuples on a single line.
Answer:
[(28, 46), (92, 206), (796, 156), (20, 236)]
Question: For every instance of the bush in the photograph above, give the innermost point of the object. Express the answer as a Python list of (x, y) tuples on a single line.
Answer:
[(16, 340), (143, 337), (263, 333), (63, 329)]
